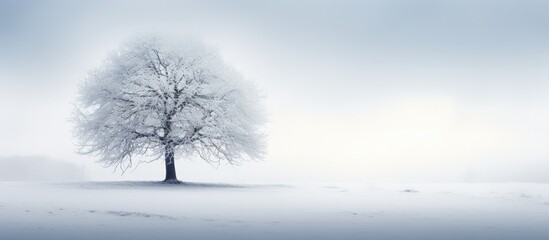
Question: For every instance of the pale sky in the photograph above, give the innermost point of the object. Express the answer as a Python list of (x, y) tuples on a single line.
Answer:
[(356, 90)]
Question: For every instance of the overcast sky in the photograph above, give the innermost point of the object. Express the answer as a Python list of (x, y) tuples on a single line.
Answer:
[(387, 90)]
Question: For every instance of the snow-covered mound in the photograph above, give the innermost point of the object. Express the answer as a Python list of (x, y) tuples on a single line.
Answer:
[(150, 210)]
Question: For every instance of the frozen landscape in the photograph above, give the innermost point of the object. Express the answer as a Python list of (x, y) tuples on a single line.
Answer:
[(285, 120), (149, 210)]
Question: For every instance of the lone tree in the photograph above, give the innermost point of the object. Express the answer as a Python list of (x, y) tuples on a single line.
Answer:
[(157, 98)]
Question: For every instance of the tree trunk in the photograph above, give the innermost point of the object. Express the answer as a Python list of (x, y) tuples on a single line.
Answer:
[(170, 165)]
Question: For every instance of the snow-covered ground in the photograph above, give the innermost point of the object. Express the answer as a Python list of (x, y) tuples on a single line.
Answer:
[(147, 210)]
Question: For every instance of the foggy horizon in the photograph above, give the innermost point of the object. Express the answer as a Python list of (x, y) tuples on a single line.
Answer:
[(373, 91)]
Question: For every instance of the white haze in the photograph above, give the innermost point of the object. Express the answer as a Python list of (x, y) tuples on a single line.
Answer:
[(356, 91)]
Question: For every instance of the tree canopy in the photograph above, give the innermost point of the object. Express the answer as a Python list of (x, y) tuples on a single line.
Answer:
[(168, 98)]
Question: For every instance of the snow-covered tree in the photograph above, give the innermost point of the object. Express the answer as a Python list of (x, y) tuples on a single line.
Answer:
[(159, 98)]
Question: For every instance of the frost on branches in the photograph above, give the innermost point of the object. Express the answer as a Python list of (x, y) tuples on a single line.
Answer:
[(159, 98)]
